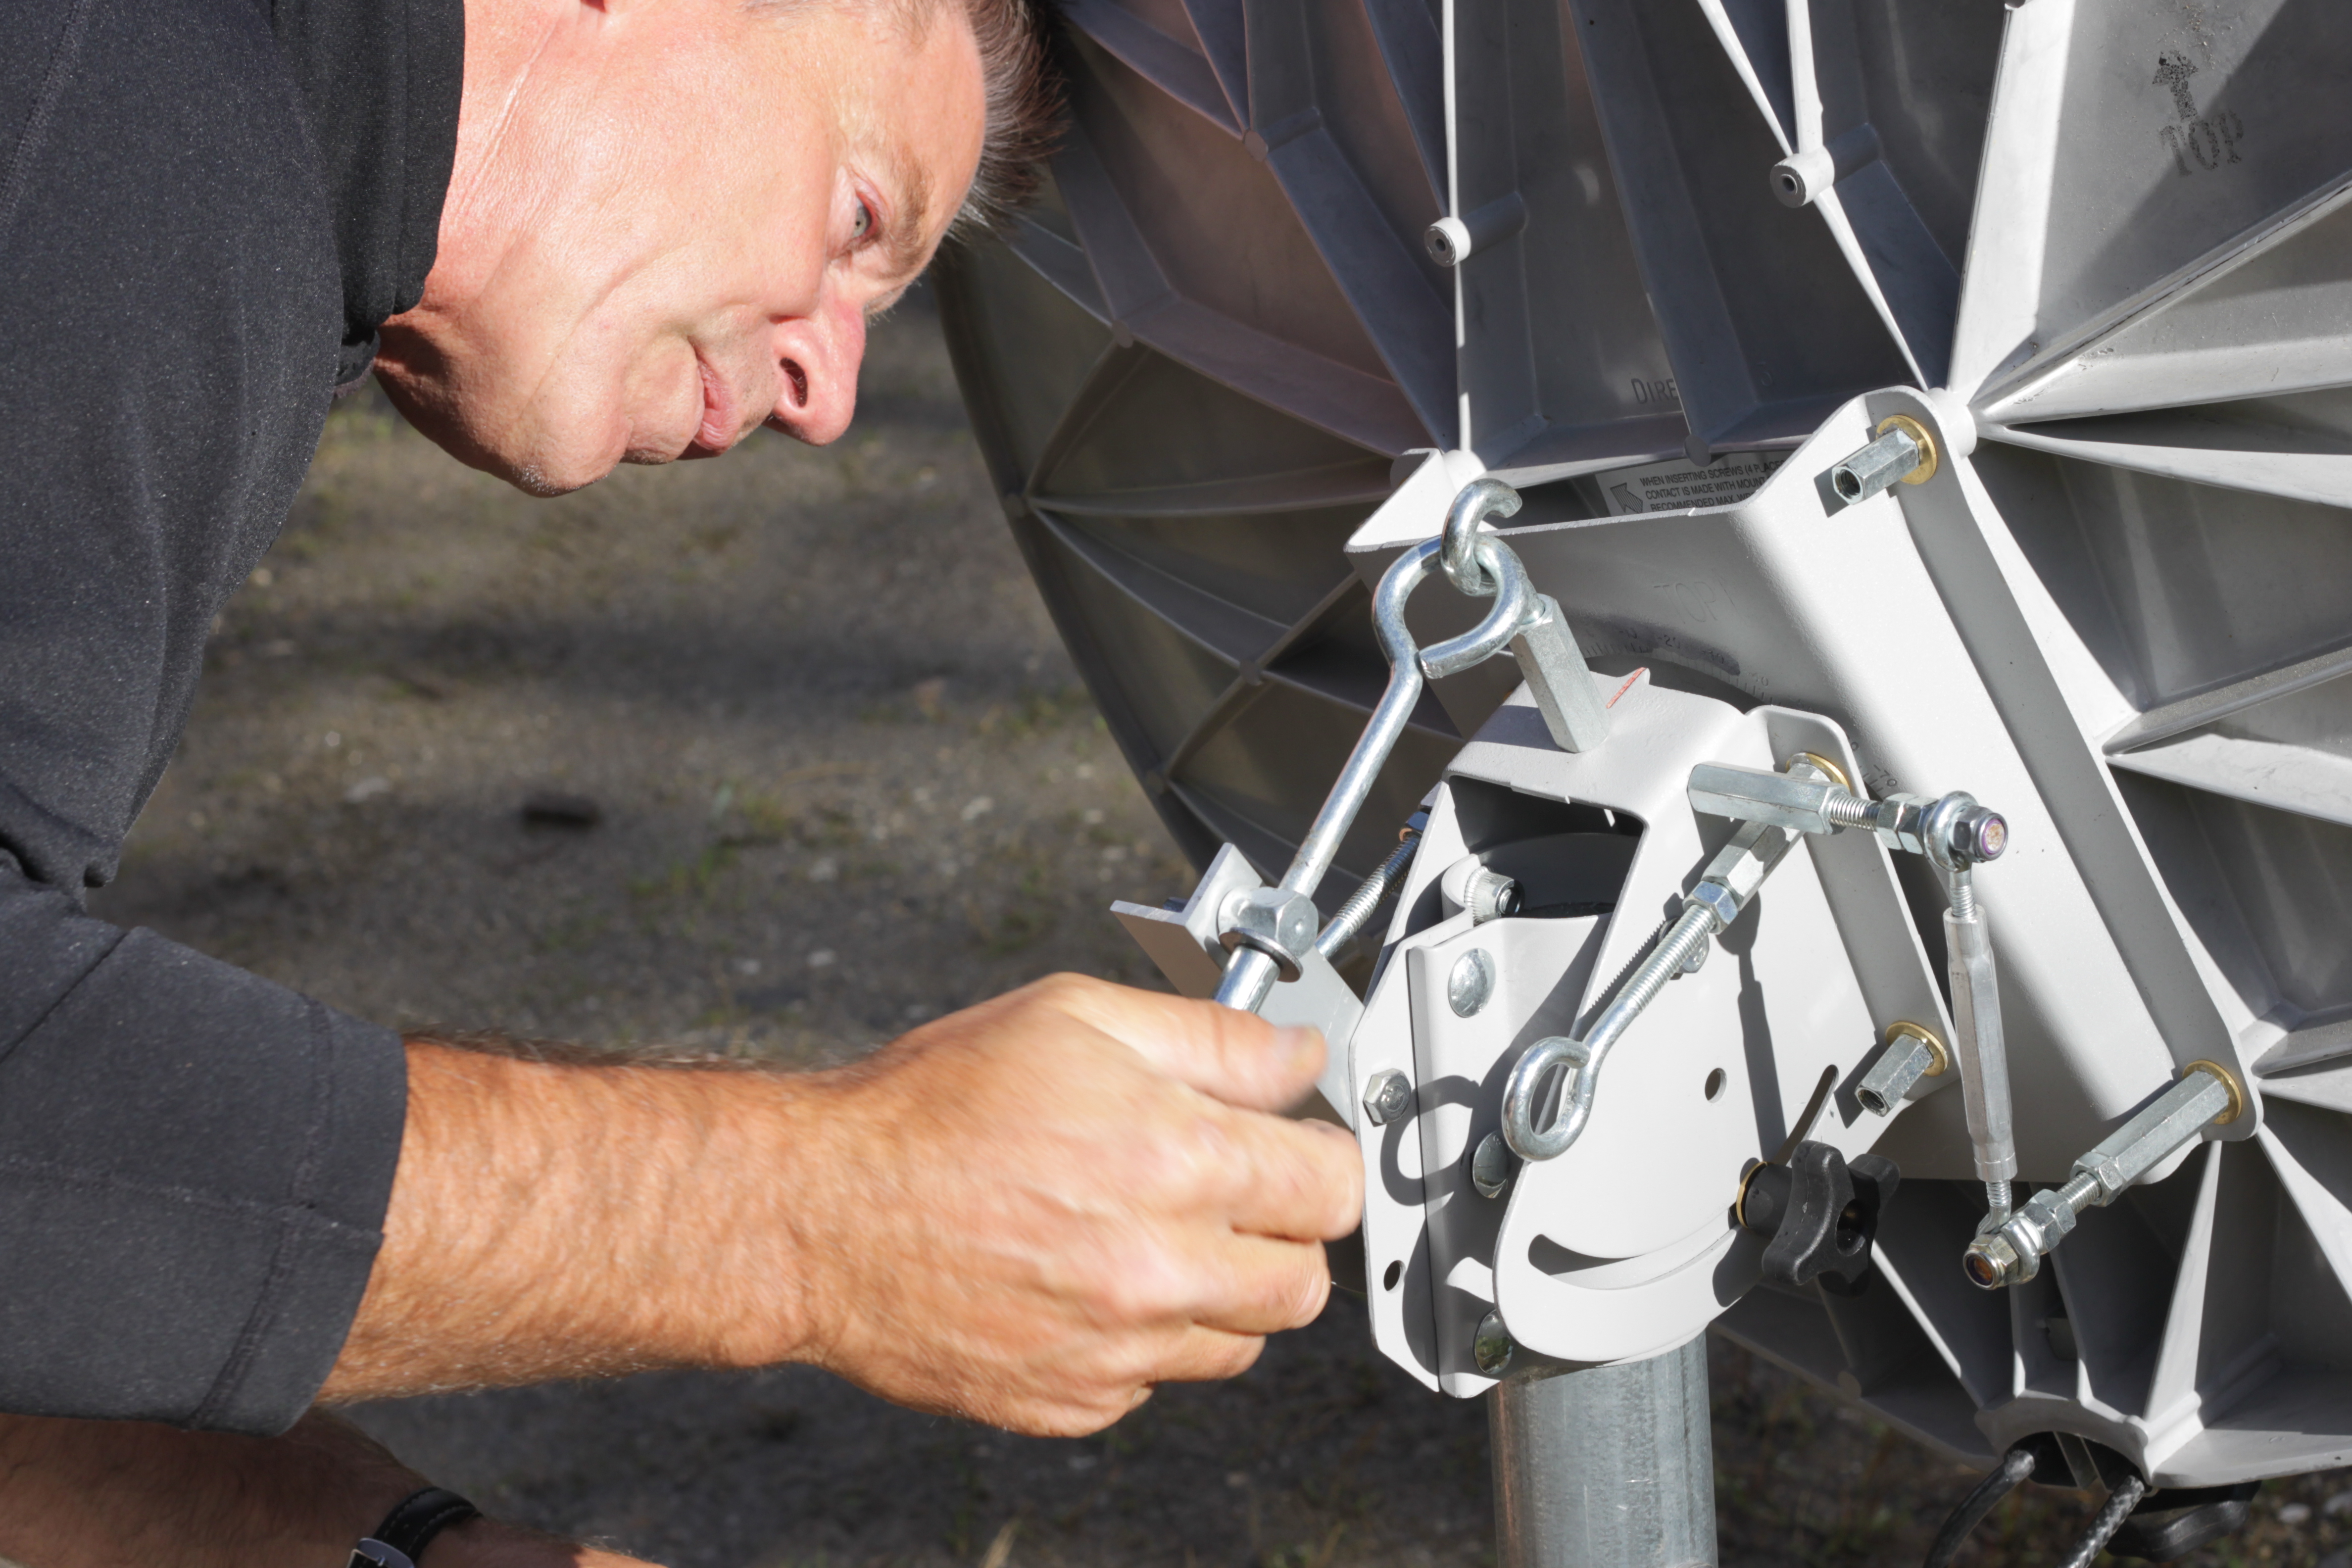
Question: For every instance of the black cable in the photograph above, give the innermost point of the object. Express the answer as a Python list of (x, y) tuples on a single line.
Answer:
[(2120, 1502), (2004, 1479)]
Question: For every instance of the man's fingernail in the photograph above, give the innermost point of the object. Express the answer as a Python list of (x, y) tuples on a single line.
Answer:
[(1301, 1043)]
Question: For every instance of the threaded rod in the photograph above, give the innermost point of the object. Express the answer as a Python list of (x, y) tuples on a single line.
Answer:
[(1352, 915)]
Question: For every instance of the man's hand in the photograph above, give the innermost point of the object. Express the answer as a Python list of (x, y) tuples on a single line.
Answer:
[(1028, 1213), (1032, 1211), (125, 1494)]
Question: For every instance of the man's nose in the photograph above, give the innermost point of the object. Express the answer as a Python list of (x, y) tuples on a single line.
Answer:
[(818, 357)]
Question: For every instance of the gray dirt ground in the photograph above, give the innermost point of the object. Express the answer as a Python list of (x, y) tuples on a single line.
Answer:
[(846, 779)]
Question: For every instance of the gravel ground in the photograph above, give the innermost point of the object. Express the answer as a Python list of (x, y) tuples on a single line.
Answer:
[(772, 756)]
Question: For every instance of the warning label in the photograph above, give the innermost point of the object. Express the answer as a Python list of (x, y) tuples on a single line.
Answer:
[(1678, 485)]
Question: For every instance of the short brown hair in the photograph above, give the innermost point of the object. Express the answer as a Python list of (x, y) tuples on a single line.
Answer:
[(1025, 111)]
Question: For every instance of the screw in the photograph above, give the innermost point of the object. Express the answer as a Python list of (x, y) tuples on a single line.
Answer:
[(1387, 1097), (1471, 984), (1491, 1347)]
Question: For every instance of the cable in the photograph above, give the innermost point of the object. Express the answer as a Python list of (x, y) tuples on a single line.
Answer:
[(2120, 1502), (2014, 1467)]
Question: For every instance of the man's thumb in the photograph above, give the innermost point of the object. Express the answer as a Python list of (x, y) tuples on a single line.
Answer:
[(1226, 1054)]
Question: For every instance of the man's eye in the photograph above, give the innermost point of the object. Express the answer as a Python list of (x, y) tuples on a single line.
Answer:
[(863, 224)]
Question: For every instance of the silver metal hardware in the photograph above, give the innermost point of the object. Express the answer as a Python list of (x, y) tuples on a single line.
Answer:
[(1559, 681), (1470, 982), (1492, 1347), (2012, 1253), (1491, 1166), (1252, 974), (1905, 452), (1876, 467), (1958, 835), (1478, 501), (1273, 921), (1730, 880), (1913, 1054), (1549, 659), (1485, 895), (1950, 830), (1352, 917), (1387, 1097), (1977, 1034)]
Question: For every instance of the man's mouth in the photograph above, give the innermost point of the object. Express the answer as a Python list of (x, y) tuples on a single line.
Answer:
[(722, 423)]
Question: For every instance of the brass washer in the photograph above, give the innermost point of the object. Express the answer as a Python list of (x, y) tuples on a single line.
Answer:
[(1835, 773), (1941, 1058), (2229, 1081), (1931, 457), (1740, 1203)]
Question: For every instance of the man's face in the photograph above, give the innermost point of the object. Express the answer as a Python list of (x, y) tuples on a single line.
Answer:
[(669, 223)]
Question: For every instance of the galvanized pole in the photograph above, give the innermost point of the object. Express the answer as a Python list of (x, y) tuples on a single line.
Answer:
[(1613, 1468)]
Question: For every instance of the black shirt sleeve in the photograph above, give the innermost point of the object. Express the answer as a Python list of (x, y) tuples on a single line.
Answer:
[(193, 1168), (195, 1163)]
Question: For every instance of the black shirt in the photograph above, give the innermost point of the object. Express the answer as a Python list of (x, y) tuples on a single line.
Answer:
[(206, 207)]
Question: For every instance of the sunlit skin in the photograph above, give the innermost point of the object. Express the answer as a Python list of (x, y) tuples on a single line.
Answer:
[(608, 291)]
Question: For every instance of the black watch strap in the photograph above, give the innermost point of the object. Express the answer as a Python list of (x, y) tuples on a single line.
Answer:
[(410, 1527)]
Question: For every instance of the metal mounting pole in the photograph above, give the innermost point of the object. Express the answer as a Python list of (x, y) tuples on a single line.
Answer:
[(1611, 1468)]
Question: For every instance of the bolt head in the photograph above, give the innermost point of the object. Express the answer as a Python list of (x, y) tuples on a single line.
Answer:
[(1492, 1347), (1387, 1097), (1491, 1165), (1470, 986), (1988, 834)]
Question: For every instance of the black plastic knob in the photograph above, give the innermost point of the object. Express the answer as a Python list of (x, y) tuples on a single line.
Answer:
[(1819, 1214)]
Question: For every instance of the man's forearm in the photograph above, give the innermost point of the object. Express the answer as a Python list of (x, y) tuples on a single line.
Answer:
[(563, 1221), (1028, 1213)]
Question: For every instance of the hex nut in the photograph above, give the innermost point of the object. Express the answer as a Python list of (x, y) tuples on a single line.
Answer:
[(1717, 901), (1901, 821), (1387, 1097), (1273, 920)]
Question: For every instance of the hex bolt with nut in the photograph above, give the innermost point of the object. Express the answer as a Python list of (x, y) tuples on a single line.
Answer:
[(1387, 1097)]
